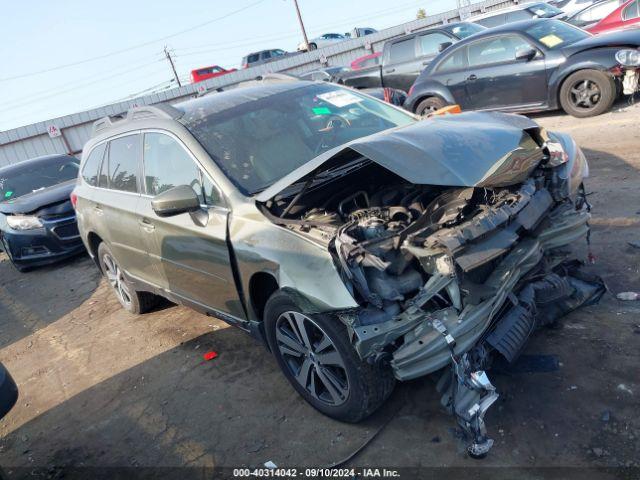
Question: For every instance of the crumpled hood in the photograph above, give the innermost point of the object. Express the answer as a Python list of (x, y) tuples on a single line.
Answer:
[(36, 200), (465, 150), (624, 38)]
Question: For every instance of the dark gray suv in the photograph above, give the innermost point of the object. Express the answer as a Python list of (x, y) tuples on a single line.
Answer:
[(361, 244)]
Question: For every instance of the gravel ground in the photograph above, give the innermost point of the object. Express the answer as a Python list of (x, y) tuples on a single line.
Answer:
[(99, 387)]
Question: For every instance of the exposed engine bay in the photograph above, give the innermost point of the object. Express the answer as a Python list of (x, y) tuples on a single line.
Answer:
[(448, 276)]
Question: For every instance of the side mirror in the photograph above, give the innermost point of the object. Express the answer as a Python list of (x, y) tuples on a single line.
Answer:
[(443, 46), (177, 200), (526, 55)]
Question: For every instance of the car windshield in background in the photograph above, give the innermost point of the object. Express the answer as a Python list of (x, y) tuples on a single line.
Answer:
[(24, 179), (555, 34), (257, 143), (544, 10), (465, 30)]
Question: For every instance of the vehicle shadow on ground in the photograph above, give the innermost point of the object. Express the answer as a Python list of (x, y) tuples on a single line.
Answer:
[(179, 410), (34, 299)]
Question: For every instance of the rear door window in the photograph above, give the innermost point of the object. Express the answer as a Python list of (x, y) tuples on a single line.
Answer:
[(430, 43), (91, 168), (493, 21), (403, 51), (518, 15), (124, 163)]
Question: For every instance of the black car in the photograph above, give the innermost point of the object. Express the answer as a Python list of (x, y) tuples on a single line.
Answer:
[(37, 220), (8, 391), (531, 66), (404, 57)]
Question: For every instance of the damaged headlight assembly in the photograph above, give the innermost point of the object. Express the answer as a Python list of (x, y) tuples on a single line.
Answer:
[(23, 222), (628, 57)]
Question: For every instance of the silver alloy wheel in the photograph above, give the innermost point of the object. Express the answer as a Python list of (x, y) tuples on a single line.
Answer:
[(116, 279), (312, 358), (585, 94)]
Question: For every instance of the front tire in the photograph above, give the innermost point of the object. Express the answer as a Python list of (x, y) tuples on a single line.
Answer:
[(587, 93), (430, 105), (131, 300), (316, 356)]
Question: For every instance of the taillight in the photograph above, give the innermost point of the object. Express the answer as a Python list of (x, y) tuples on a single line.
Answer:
[(74, 199)]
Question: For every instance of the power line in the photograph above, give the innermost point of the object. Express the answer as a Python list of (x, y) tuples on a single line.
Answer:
[(88, 81), (134, 47), (294, 33), (74, 89)]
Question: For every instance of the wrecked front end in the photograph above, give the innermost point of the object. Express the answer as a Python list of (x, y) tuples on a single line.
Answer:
[(453, 262)]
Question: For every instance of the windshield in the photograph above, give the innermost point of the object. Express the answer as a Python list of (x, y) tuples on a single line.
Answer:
[(258, 142), (544, 10), (464, 30), (555, 34), (23, 179)]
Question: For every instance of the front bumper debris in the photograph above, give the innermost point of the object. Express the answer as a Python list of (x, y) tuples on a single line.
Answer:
[(533, 282), (630, 81)]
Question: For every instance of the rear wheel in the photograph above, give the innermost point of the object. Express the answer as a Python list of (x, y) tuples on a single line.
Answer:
[(131, 300), (317, 358), (587, 93), (312, 46), (430, 105)]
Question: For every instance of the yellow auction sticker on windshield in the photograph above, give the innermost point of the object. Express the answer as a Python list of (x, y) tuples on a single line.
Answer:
[(339, 98), (551, 40)]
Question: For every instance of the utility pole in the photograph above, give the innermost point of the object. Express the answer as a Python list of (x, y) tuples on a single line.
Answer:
[(173, 67), (304, 33)]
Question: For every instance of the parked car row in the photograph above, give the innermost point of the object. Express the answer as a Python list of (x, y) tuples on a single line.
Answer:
[(531, 65)]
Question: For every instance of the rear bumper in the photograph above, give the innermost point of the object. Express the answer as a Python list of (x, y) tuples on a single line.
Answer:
[(57, 240)]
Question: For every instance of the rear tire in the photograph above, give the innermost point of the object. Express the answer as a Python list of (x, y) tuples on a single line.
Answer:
[(333, 378), (430, 105), (587, 93), (131, 300), (313, 46)]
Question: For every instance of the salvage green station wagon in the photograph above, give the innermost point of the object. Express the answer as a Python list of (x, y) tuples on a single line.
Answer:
[(361, 244)]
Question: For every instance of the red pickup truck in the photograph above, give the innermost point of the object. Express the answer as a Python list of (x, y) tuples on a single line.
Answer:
[(205, 73)]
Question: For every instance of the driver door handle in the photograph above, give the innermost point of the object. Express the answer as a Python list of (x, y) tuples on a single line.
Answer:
[(391, 70), (147, 225), (97, 208), (472, 78)]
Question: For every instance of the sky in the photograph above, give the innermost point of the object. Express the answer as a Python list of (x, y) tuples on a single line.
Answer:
[(63, 57)]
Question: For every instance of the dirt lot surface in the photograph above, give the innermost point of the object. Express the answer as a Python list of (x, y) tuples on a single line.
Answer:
[(99, 387)]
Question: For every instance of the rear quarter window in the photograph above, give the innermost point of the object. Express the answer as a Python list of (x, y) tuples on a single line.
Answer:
[(403, 51), (91, 167), (455, 61)]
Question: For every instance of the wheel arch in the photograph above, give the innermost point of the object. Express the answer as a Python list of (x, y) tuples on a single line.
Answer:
[(93, 242), (262, 285)]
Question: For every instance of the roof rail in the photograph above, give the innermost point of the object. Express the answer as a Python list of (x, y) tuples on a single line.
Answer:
[(161, 110)]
